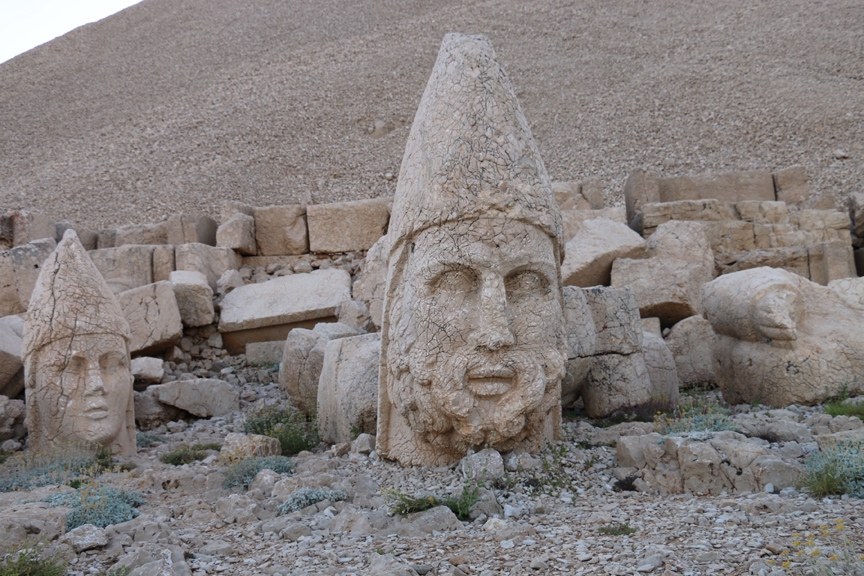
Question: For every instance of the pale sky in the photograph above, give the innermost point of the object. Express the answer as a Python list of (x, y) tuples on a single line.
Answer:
[(25, 24)]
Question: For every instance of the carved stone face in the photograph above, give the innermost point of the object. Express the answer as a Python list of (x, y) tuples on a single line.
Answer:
[(83, 389), (480, 334)]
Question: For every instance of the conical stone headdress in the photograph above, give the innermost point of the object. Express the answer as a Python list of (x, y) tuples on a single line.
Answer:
[(70, 298), (470, 153)]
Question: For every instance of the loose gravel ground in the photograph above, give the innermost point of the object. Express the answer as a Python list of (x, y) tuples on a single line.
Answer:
[(176, 105)]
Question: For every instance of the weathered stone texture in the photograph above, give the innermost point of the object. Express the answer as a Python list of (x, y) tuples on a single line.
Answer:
[(209, 260), (371, 284), (19, 269), (190, 228), (691, 344), (591, 252), (153, 317), (346, 226), (194, 297), (203, 397), (238, 234), (281, 230), (791, 185), (125, 267)]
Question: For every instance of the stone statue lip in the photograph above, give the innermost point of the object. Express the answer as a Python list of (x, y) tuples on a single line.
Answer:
[(490, 380), (97, 410)]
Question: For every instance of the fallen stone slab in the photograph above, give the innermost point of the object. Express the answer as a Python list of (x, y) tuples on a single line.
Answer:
[(144, 234), (194, 297), (268, 311), (125, 267), (30, 226), (727, 186), (202, 397), (591, 252), (147, 370), (238, 234), (348, 388), (153, 316), (347, 226)]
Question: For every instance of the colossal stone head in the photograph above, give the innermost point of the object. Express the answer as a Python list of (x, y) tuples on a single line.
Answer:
[(473, 341), (76, 357)]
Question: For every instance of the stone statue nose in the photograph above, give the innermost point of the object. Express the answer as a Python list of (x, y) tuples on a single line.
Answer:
[(93, 383), (494, 330)]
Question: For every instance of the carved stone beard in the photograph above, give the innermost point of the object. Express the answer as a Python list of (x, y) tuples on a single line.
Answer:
[(450, 414)]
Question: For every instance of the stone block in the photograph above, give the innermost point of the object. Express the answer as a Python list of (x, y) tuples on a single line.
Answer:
[(616, 381), (230, 208), (107, 238), (163, 262), (641, 188), (238, 234), (144, 234), (592, 191), (370, 284), (730, 236), (89, 239), (303, 359), (692, 210), (149, 412), (668, 284), (281, 230), (209, 260), (194, 297), (19, 269), (791, 185), (153, 316), (125, 267), (11, 368), (572, 219), (590, 253), (662, 371), (763, 212), (347, 226), (281, 302), (579, 322), (190, 228), (616, 320), (690, 342), (202, 397), (264, 353), (568, 195), (726, 187), (348, 388), (12, 416), (630, 450), (147, 370), (831, 261), (30, 226)]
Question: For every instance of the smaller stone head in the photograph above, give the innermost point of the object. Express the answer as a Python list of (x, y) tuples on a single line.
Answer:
[(76, 357)]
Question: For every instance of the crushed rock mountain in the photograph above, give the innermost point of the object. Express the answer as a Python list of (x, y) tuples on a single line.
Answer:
[(604, 319)]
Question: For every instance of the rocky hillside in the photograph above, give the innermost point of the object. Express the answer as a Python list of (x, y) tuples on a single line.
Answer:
[(176, 105)]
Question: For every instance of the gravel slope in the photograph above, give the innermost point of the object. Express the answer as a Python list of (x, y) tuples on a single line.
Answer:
[(175, 105)]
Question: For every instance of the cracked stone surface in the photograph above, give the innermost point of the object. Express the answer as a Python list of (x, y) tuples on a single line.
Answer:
[(78, 379), (475, 246)]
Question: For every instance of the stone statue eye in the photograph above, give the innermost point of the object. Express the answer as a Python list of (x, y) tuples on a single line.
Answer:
[(461, 280), (525, 282), (77, 365), (111, 361)]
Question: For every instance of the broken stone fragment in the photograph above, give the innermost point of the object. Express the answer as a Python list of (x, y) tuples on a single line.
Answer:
[(347, 226), (591, 252), (203, 397), (281, 230), (153, 317), (194, 297)]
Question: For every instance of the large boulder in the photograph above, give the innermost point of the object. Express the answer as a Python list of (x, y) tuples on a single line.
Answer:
[(268, 311), (303, 360), (667, 285), (153, 317), (348, 388), (616, 381), (347, 226), (203, 397), (591, 252), (194, 297), (691, 344)]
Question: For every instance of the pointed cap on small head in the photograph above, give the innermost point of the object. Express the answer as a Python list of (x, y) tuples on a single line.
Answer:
[(470, 153), (70, 298)]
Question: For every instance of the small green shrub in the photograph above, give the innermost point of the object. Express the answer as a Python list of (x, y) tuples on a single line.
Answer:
[(182, 455), (840, 408), (620, 529), (97, 505), (147, 439), (304, 497), (31, 561), (61, 465), (401, 503), (837, 469), (294, 430), (242, 472), (207, 446), (695, 415), (461, 506)]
